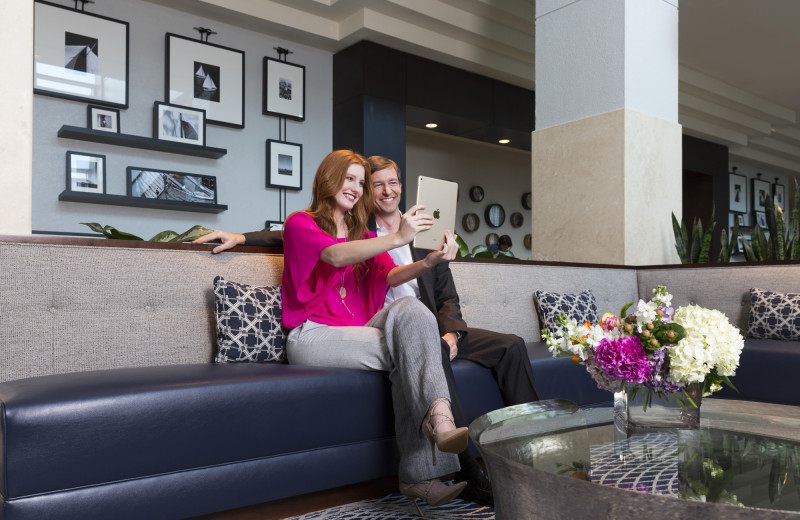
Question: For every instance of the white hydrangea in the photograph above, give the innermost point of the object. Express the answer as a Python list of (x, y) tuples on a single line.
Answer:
[(711, 342)]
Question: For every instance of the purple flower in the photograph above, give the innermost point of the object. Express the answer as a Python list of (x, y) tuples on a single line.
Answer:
[(659, 376), (623, 358), (668, 313)]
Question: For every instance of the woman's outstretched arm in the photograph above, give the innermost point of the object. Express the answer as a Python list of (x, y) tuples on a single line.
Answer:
[(349, 253), (402, 274)]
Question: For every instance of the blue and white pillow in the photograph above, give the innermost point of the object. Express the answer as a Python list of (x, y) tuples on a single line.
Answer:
[(579, 307), (774, 315), (248, 323)]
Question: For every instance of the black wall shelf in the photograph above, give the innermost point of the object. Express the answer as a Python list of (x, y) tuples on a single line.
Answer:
[(136, 141), (138, 202)]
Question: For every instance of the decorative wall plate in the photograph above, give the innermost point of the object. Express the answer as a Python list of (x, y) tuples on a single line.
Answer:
[(471, 222), (491, 239), (495, 215), (516, 219), (476, 193), (527, 241), (526, 200)]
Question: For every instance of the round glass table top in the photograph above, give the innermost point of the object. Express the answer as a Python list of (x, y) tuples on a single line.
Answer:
[(745, 454)]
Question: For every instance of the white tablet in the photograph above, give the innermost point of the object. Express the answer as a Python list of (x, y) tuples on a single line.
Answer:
[(439, 198)]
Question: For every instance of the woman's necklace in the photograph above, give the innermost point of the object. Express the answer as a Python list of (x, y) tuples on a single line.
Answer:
[(343, 294)]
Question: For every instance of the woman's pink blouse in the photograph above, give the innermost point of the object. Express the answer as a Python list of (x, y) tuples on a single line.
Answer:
[(311, 287)]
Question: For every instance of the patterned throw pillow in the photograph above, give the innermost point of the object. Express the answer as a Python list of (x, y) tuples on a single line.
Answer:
[(580, 307), (248, 322), (774, 315)]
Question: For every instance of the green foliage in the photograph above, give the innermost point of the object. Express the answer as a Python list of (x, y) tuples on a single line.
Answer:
[(694, 250), (479, 251), (783, 244), (164, 236)]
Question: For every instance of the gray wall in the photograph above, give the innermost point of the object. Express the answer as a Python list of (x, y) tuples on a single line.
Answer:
[(503, 173), (240, 174)]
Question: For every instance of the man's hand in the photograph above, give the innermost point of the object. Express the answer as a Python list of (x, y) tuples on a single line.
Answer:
[(452, 339), (448, 252), (228, 240)]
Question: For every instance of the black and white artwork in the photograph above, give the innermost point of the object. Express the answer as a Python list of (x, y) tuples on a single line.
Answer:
[(205, 76), (102, 118), (284, 165), (152, 183), (80, 56), (179, 124), (738, 193), (779, 196), (284, 89), (761, 192), (86, 172), (81, 53), (207, 83), (761, 219)]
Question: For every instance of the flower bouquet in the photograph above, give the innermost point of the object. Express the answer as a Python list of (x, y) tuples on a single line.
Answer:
[(656, 351)]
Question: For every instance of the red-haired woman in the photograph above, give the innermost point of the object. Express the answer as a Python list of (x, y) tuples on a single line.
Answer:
[(335, 281)]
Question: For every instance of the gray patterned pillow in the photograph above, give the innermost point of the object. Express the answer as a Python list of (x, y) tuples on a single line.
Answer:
[(248, 323), (580, 307), (774, 315)]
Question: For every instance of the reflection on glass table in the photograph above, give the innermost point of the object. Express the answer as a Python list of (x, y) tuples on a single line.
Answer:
[(745, 455)]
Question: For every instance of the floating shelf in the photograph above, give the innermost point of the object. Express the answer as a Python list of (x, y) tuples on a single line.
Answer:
[(136, 141), (139, 202)]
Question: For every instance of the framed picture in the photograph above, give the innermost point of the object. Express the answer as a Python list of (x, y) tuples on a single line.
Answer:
[(284, 165), (79, 55), (86, 172), (102, 118), (738, 193), (761, 190), (779, 196), (761, 219), (179, 124), (150, 183), (740, 220), (284, 89), (206, 76)]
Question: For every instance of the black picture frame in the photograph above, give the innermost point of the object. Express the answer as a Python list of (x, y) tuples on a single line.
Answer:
[(526, 200), (737, 193), (476, 194), (779, 196), (102, 118), (179, 123), (284, 165), (154, 183), (86, 172), (199, 73), (284, 89), (494, 215), (273, 225), (761, 191), (80, 56)]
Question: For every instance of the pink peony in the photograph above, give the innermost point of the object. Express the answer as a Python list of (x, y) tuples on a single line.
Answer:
[(623, 358)]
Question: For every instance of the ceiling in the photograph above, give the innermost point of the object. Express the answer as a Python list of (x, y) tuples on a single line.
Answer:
[(739, 81)]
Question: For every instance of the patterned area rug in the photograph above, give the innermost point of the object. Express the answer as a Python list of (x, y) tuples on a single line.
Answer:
[(398, 507)]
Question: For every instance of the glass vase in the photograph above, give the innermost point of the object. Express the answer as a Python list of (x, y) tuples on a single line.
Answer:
[(663, 411)]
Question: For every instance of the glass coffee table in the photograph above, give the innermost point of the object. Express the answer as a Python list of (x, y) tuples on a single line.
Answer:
[(554, 459)]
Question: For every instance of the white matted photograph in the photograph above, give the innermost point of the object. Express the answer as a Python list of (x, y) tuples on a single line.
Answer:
[(179, 124), (86, 172), (206, 76), (80, 56), (779, 196), (102, 118), (284, 165), (738, 193), (761, 219), (284, 89), (761, 192)]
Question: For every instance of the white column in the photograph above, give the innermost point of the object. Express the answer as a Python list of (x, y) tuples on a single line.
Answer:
[(16, 107), (607, 150)]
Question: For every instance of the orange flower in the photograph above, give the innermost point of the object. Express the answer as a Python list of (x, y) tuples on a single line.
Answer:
[(576, 358)]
